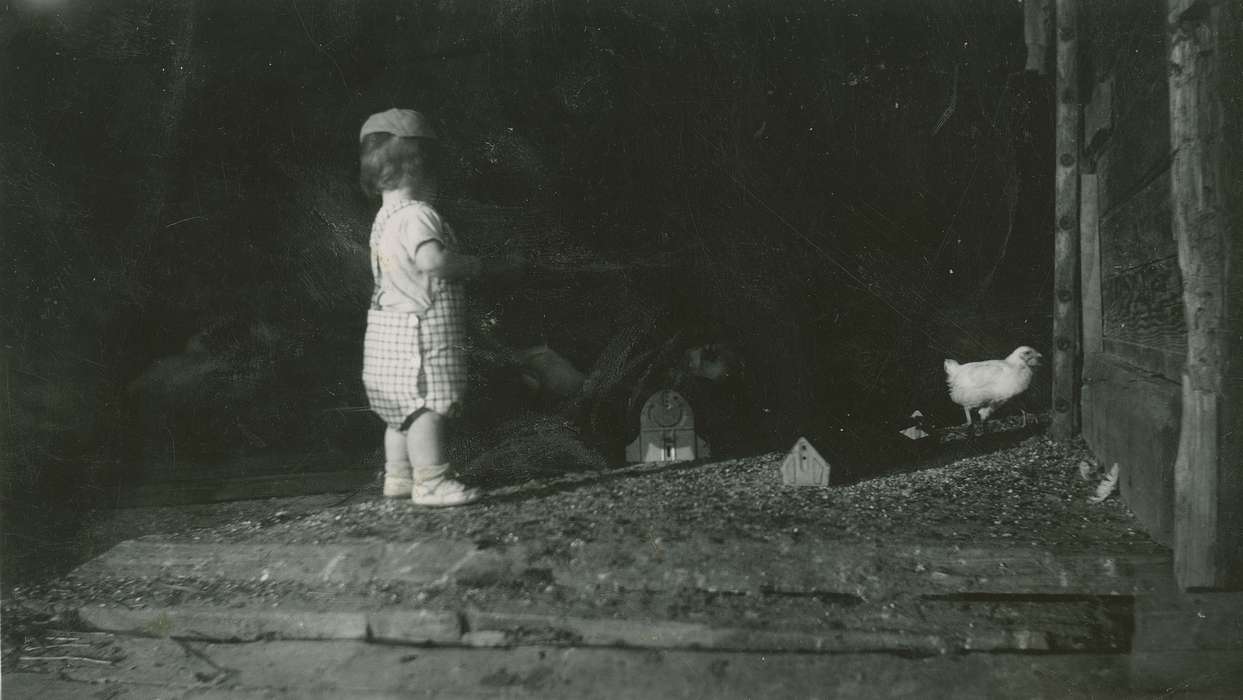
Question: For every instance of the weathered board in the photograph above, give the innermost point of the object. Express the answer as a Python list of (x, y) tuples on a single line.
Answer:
[(353, 563), (1138, 230), (1133, 313), (1144, 307), (1125, 43), (1141, 314), (691, 663), (848, 570), (1090, 263), (1141, 288), (1207, 195), (1132, 419), (1152, 360)]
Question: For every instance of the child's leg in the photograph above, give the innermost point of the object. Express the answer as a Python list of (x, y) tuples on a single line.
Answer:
[(397, 473), (425, 440), (425, 443)]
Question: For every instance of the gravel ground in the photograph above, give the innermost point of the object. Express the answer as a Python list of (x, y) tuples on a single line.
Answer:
[(1029, 494)]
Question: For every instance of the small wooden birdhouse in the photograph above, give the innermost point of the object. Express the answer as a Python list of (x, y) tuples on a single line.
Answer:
[(666, 431), (804, 466)]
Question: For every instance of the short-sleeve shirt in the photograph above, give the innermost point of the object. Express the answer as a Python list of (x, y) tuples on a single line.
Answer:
[(399, 229)]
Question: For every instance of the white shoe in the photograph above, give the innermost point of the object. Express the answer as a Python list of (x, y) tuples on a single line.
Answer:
[(397, 487), (442, 492)]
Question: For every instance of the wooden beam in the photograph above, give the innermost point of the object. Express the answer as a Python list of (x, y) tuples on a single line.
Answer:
[(1066, 304), (1090, 262), (1207, 197), (1036, 34), (845, 570)]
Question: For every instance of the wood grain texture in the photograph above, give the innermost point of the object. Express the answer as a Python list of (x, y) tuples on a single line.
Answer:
[(1144, 306), (1131, 418), (1138, 230), (1066, 332), (1207, 194), (1230, 475), (849, 570), (1196, 530), (1141, 286), (1154, 361), (1127, 47), (1089, 263)]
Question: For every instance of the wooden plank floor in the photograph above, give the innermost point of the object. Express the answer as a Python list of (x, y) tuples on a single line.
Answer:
[(167, 668)]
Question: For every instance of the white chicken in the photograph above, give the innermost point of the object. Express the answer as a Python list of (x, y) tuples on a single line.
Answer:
[(988, 384)]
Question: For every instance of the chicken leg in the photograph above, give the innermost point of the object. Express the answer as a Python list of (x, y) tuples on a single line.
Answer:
[(985, 412)]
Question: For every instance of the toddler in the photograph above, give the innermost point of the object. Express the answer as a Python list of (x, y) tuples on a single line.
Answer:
[(414, 354)]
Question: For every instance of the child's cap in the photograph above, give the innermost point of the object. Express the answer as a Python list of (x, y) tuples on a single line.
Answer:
[(399, 122)]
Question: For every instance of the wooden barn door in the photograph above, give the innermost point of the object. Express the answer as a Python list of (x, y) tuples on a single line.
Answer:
[(1134, 335), (1161, 276)]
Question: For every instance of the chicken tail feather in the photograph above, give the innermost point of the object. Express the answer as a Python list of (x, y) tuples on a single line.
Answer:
[(951, 367)]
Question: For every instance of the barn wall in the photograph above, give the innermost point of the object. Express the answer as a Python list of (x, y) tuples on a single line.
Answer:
[(1131, 376), (1206, 111), (1131, 418)]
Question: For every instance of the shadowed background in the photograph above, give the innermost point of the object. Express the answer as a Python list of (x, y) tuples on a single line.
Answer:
[(845, 192)]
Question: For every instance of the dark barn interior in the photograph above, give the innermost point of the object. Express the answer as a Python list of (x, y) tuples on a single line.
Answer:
[(827, 198), (846, 193)]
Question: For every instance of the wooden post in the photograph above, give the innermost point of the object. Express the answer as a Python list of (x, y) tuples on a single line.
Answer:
[(1066, 333), (1207, 200), (1036, 35), (1090, 262)]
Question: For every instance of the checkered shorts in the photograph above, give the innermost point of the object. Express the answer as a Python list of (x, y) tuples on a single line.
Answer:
[(411, 362)]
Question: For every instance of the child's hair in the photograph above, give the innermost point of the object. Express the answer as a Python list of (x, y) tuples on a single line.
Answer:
[(387, 161)]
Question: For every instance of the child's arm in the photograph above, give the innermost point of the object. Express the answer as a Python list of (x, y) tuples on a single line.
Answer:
[(421, 233), (418, 240), (438, 261), (433, 258)]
